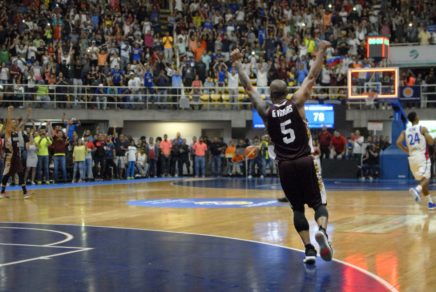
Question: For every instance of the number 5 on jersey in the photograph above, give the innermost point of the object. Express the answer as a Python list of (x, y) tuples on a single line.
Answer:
[(288, 133)]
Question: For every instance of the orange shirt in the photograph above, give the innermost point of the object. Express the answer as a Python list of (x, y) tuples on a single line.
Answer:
[(411, 81), (165, 147), (230, 151), (327, 19), (200, 149), (102, 58)]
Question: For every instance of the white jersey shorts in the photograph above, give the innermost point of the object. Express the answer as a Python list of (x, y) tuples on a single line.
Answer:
[(420, 166)]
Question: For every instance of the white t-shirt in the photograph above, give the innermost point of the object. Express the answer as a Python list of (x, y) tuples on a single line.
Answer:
[(233, 80), (131, 153), (357, 145)]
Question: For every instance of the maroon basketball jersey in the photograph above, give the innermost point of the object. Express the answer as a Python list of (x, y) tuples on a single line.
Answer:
[(288, 131)]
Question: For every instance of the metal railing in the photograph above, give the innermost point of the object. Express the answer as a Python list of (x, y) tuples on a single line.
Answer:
[(145, 98)]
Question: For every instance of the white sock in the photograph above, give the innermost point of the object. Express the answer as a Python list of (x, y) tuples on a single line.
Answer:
[(429, 198), (419, 188)]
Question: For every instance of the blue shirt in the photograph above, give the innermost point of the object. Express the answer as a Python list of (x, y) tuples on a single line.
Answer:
[(301, 74), (136, 54), (116, 76), (148, 79), (71, 129), (176, 81)]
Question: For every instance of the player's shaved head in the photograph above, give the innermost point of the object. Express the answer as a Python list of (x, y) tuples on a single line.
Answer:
[(278, 90)]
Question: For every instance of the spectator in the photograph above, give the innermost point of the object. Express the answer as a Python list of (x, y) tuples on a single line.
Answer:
[(131, 158), (200, 149), (152, 157), (357, 146), (165, 147), (59, 147), (141, 163), (42, 142), (339, 144), (79, 154), (31, 160), (324, 139)]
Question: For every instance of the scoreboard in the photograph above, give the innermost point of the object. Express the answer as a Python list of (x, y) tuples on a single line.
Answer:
[(377, 47), (317, 115)]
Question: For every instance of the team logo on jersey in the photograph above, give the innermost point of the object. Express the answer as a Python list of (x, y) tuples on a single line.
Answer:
[(208, 203)]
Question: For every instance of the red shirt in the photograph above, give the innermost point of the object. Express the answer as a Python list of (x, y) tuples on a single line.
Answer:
[(339, 143), (324, 139)]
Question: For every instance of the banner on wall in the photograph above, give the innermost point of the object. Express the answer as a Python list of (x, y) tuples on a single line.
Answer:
[(410, 92), (413, 56)]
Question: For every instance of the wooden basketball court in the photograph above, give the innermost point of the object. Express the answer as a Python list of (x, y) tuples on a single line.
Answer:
[(381, 231)]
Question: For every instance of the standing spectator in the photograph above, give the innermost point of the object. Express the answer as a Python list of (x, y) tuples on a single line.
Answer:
[(324, 139), (233, 84), (230, 155), (59, 147), (184, 157), (257, 161), (88, 164), (357, 146), (152, 157), (42, 142), (162, 82), (200, 149), (110, 167), (216, 150), (121, 145), (99, 156), (148, 85), (165, 147), (32, 159), (339, 144), (167, 41), (79, 154), (131, 158), (196, 91)]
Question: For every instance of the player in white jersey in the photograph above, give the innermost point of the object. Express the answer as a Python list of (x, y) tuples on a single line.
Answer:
[(417, 140)]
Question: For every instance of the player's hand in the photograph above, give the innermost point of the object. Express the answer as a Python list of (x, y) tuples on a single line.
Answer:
[(323, 45), (236, 55)]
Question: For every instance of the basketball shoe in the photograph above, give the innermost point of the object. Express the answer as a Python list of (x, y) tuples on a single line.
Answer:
[(415, 194), (431, 206), (310, 253), (325, 249)]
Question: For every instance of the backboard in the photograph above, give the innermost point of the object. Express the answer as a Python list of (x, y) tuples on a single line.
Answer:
[(379, 83)]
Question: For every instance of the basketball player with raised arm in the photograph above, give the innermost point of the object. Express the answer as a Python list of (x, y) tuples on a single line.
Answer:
[(13, 164), (287, 126), (417, 141)]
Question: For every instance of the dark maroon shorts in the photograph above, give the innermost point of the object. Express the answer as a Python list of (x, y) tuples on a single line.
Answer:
[(302, 183)]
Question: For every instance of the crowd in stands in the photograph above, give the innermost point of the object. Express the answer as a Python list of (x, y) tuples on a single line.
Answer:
[(139, 45)]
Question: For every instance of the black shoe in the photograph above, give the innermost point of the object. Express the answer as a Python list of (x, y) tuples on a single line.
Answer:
[(283, 200), (310, 253), (325, 248)]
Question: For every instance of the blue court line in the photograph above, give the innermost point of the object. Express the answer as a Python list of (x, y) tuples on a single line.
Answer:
[(92, 184)]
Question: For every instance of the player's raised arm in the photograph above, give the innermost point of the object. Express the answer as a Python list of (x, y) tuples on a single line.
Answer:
[(427, 136), (260, 105), (305, 91), (400, 141)]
